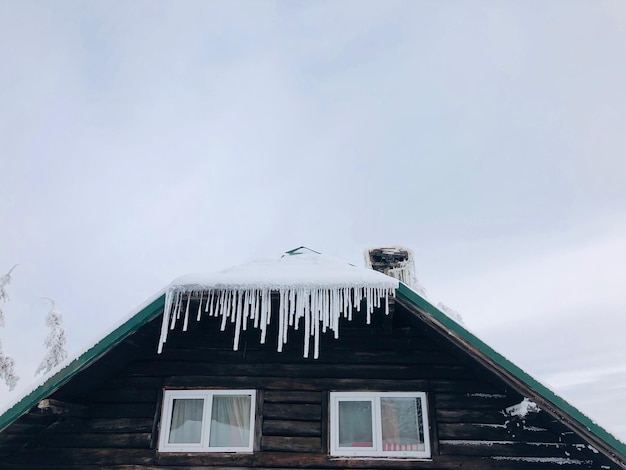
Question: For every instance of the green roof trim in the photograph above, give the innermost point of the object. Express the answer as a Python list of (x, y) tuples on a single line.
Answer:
[(144, 315), (297, 251), (407, 294)]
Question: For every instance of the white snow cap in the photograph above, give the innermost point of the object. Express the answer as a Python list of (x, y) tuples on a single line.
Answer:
[(312, 287)]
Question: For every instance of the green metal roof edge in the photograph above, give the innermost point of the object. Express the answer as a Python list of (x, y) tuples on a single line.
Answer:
[(143, 316), (408, 294)]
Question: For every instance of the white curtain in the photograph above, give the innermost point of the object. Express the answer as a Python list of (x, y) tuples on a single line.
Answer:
[(186, 425), (355, 424), (230, 421)]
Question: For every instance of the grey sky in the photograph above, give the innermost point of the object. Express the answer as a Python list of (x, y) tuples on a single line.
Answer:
[(143, 140)]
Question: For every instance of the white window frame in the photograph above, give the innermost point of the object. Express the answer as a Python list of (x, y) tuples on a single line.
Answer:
[(203, 446), (376, 451)]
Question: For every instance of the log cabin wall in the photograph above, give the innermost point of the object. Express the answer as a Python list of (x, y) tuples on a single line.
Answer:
[(108, 416)]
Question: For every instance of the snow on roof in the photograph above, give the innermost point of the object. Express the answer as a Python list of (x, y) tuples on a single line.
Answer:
[(298, 268), (313, 288)]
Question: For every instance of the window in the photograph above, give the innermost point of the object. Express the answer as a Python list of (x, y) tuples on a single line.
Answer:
[(379, 424), (207, 421)]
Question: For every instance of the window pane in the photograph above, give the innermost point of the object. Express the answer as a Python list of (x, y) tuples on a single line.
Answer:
[(186, 421), (230, 421), (402, 426), (355, 424)]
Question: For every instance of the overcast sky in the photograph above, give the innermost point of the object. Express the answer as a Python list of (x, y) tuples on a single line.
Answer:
[(144, 140)]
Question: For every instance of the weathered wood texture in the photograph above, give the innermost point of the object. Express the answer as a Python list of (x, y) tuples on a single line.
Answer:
[(108, 416)]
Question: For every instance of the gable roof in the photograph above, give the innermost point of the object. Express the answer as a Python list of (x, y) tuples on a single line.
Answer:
[(546, 398), (415, 303)]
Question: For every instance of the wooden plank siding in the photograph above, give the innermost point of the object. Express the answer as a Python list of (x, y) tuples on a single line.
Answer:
[(122, 393)]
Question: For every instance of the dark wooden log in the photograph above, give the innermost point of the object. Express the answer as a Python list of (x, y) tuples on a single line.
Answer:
[(470, 416), (125, 395), (107, 440), (290, 396), (119, 425), (332, 355), (124, 410), (291, 444), (475, 401), (147, 459), (292, 428), (513, 449), (301, 384), (296, 411), (388, 372), (488, 431)]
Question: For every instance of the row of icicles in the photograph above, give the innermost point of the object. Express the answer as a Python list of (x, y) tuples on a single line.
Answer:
[(319, 309)]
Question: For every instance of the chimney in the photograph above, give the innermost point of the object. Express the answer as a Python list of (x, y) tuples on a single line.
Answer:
[(397, 262)]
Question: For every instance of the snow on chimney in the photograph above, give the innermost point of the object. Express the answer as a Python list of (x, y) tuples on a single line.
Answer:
[(397, 262)]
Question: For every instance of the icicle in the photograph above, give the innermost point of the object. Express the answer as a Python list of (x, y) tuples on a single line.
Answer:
[(336, 314), (281, 321), (178, 305), (292, 306), (255, 307), (174, 314), (321, 308), (238, 321), (228, 306), (246, 307), (299, 308), (351, 295), (240, 302), (186, 321), (307, 326), (316, 333), (254, 316), (209, 298), (166, 317), (326, 309), (200, 306), (264, 314), (232, 308), (286, 312), (315, 298), (341, 300), (267, 296), (222, 309)]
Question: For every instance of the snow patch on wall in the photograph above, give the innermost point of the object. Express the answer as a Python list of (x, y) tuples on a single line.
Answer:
[(555, 460), (485, 395), (314, 292), (522, 409), (473, 442)]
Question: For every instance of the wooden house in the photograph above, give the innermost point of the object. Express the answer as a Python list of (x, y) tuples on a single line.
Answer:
[(302, 362)]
